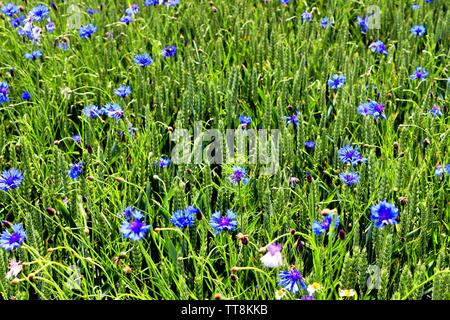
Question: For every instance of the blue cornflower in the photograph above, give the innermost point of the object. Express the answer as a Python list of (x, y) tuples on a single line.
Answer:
[(349, 178), (420, 74), (285, 2), (50, 25), (291, 280), (39, 12), (13, 240), (336, 81), (349, 155), (323, 227), (127, 19), (164, 162), (371, 108), (92, 111), (149, 3), (34, 55), (184, 218), (436, 111), (307, 298), (310, 145), (132, 130), (169, 3), (134, 9), (292, 119), (16, 22), (113, 110), (63, 44), (10, 9), (306, 16), (87, 31), (378, 47), (383, 214), (169, 51), (325, 22), (123, 91), (239, 175), (363, 23), (76, 138), (76, 169), (245, 120), (129, 212), (439, 171), (429, 1), (226, 222), (418, 30), (447, 169), (143, 60), (136, 229), (26, 95), (415, 7), (10, 179), (4, 91), (91, 11)]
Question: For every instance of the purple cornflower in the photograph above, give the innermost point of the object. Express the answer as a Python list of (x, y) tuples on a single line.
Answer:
[(136, 229), (273, 257), (50, 25), (169, 51), (92, 111), (336, 81), (123, 91), (415, 7), (143, 60), (371, 108), (239, 175), (13, 240), (349, 155), (436, 111), (383, 214), (75, 170), (291, 280), (10, 179), (418, 30), (323, 227), (419, 74), (87, 31), (378, 47), (227, 222), (349, 178)]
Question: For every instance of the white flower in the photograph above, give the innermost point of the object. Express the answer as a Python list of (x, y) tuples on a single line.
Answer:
[(313, 287), (273, 257), (347, 293), (280, 293), (14, 269)]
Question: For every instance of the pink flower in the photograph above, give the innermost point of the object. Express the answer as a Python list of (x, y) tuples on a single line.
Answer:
[(273, 258), (14, 269)]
